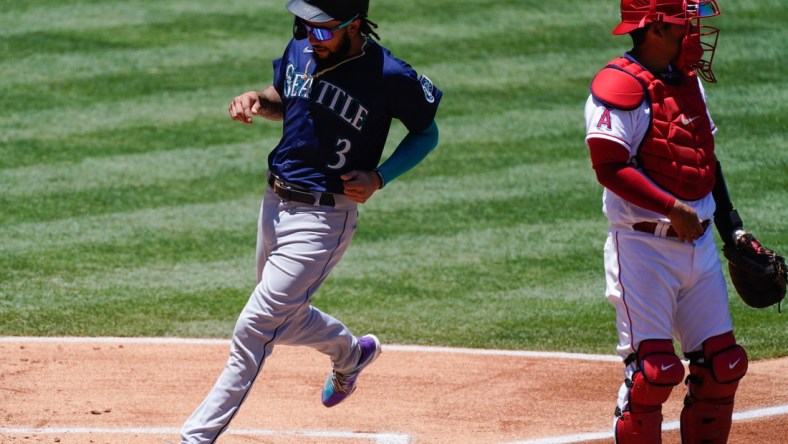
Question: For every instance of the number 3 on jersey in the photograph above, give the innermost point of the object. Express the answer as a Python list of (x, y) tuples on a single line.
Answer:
[(344, 147)]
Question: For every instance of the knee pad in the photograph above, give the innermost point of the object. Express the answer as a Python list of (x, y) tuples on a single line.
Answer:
[(714, 377), (658, 371), (716, 370)]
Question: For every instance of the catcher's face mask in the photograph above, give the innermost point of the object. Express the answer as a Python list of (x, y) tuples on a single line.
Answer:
[(700, 42)]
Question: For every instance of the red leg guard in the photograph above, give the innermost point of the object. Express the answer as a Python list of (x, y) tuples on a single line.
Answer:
[(706, 422), (639, 428), (714, 377), (658, 371)]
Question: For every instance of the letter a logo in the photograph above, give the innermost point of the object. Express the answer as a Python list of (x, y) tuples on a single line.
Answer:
[(605, 120)]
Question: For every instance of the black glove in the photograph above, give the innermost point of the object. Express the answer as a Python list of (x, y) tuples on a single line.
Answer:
[(757, 273)]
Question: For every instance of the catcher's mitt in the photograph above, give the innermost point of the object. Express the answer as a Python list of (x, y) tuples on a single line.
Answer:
[(757, 273)]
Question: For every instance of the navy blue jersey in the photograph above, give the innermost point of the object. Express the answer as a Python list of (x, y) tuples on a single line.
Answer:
[(338, 120)]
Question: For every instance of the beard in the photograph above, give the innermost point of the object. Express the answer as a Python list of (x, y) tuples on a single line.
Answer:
[(333, 57)]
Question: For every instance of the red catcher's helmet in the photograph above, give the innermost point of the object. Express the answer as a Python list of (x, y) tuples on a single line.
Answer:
[(700, 42)]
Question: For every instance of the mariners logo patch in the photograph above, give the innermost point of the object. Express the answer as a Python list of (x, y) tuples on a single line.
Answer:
[(428, 87)]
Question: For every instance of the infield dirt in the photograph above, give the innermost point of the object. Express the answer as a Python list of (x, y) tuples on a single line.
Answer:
[(50, 391)]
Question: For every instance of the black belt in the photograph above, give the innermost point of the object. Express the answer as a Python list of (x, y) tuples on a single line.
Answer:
[(651, 228), (295, 194)]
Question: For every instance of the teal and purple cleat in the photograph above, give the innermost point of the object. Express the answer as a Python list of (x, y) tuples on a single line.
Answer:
[(341, 385)]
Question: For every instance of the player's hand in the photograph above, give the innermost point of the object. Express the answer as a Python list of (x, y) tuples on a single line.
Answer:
[(243, 107), (360, 185), (685, 221)]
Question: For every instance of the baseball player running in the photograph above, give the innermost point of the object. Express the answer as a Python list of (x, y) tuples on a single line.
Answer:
[(336, 91), (651, 142)]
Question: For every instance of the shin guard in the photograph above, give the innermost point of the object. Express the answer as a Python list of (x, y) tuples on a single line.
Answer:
[(658, 371), (714, 377)]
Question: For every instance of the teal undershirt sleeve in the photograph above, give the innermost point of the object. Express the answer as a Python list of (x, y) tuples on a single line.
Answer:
[(411, 150)]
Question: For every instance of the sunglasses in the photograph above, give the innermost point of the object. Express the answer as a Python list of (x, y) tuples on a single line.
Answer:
[(707, 8), (301, 30)]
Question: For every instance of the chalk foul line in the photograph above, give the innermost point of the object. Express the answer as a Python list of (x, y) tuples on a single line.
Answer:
[(377, 438), (673, 425)]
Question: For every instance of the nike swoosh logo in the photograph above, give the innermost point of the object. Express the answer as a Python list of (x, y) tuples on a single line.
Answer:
[(308, 50), (687, 121), (665, 367), (733, 364)]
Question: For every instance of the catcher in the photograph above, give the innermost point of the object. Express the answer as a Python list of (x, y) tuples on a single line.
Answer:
[(651, 141)]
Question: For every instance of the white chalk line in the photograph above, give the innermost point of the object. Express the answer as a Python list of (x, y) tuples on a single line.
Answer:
[(387, 347), (377, 438), (673, 425)]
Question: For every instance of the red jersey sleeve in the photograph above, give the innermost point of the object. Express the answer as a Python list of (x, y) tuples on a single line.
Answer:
[(609, 160)]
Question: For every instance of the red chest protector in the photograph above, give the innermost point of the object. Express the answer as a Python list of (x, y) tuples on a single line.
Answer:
[(678, 150)]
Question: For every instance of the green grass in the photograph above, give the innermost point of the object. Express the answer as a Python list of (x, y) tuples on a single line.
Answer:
[(128, 198)]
